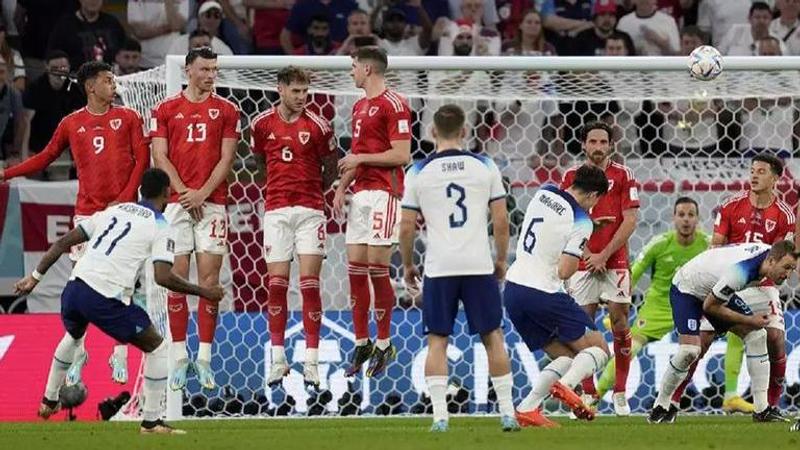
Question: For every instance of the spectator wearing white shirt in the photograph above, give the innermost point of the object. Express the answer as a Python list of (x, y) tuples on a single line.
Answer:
[(741, 39), (483, 12), (717, 17), (787, 26), (395, 41), (156, 24), (486, 40), (359, 33), (653, 33)]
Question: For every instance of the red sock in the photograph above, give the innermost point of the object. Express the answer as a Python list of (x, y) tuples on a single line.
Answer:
[(777, 371), (384, 299), (312, 310), (277, 309), (678, 395), (588, 386), (359, 298), (207, 320), (622, 358), (178, 312)]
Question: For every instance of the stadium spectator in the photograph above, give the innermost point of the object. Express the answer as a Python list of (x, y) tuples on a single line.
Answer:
[(562, 25), (592, 42), (654, 33), (717, 17), (483, 12), (394, 40), (578, 11), (619, 44), (787, 26), (16, 67), (621, 114), (529, 40), (741, 39), (294, 33), (676, 8), (156, 24), (318, 38), (209, 19), (487, 41), (127, 59), (235, 29), (209, 16), (39, 18), (87, 35), (511, 13), (409, 7), (691, 38), (359, 33), (12, 119), (269, 19)]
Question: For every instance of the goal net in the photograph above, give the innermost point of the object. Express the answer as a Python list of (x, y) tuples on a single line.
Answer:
[(679, 137)]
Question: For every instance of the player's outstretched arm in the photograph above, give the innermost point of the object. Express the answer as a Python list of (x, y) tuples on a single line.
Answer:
[(161, 159), (567, 266), (164, 276), (398, 155), (502, 234), (715, 307), (597, 262), (41, 160), (74, 237), (341, 192), (408, 231)]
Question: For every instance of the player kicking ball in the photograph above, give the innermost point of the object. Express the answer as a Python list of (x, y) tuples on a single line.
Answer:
[(707, 286), (557, 228), (300, 153), (119, 241), (455, 191)]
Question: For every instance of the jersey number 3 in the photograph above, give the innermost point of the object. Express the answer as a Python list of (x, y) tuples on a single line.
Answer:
[(459, 217)]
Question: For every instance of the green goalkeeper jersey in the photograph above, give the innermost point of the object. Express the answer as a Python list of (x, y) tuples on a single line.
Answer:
[(662, 257)]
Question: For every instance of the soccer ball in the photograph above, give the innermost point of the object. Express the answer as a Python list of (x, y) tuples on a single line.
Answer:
[(705, 63), (73, 396)]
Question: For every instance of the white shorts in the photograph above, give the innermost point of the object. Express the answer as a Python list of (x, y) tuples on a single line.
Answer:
[(293, 228), (210, 235), (76, 251), (373, 218), (760, 299), (613, 285)]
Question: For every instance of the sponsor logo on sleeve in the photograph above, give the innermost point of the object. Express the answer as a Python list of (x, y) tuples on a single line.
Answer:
[(402, 126)]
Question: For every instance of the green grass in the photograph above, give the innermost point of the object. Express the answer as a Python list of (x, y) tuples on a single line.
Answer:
[(723, 433)]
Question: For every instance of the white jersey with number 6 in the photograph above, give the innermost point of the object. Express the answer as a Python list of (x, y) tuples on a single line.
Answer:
[(121, 239), (452, 190), (554, 224)]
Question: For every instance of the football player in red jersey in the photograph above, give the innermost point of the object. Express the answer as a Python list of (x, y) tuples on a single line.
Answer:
[(755, 215), (194, 137), (300, 153), (381, 147), (111, 153), (604, 275)]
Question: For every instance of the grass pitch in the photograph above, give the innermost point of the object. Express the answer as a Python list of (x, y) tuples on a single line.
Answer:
[(715, 432)]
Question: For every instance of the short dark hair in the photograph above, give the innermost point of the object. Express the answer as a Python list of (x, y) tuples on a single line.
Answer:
[(596, 125), (293, 73), (694, 30), (199, 32), (782, 248), (55, 54), (154, 182), (590, 179), (319, 18), (684, 200), (373, 54), (202, 52), (775, 163), (626, 38), (759, 6), (90, 70), (448, 121), (131, 45)]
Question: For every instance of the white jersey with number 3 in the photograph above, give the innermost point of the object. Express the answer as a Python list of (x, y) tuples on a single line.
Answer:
[(554, 224), (121, 239), (452, 190)]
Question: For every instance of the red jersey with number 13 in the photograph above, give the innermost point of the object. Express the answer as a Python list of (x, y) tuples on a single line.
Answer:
[(622, 195), (741, 222), (194, 134), (376, 123)]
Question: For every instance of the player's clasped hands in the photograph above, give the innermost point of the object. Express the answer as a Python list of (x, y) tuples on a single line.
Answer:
[(349, 162), (759, 320), (596, 262)]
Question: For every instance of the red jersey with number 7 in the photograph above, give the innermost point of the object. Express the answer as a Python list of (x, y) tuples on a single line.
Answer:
[(741, 222), (194, 134), (294, 152), (376, 123)]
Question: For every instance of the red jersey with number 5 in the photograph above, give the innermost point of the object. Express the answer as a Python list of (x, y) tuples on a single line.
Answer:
[(194, 134), (294, 152), (622, 195), (110, 152), (740, 222), (376, 123)]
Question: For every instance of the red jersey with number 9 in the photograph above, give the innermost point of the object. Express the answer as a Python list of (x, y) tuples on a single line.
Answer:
[(194, 134), (376, 123), (740, 222)]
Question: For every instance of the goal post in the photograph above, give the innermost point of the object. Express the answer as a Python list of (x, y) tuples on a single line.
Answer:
[(679, 136)]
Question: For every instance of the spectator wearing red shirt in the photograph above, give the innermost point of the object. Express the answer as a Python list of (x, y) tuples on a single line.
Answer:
[(269, 18)]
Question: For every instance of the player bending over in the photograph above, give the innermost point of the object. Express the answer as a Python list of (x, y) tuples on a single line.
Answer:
[(557, 228), (119, 241), (455, 191)]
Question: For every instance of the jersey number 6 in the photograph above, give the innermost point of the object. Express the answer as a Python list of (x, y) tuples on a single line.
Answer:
[(530, 236)]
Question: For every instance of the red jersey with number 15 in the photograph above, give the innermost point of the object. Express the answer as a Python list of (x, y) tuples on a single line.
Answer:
[(376, 123), (194, 134), (294, 152), (741, 222), (622, 195)]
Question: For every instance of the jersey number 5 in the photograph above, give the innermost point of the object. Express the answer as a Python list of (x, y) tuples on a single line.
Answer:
[(357, 128), (530, 236), (116, 240)]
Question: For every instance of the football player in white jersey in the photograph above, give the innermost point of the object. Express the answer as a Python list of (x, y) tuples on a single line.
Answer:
[(120, 239), (455, 191), (706, 285), (556, 228)]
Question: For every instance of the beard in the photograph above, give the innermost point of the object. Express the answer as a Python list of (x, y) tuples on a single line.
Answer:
[(462, 49)]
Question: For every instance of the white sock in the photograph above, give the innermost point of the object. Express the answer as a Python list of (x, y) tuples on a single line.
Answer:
[(586, 363), (204, 352), (312, 355), (502, 387), (382, 344), (278, 353), (121, 351), (361, 342), (755, 347), (676, 372), (437, 386), (178, 351), (62, 358), (547, 377), (155, 382)]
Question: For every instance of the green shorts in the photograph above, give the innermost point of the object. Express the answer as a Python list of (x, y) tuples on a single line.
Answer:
[(652, 324)]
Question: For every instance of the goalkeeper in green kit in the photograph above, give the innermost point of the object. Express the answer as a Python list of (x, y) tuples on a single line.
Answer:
[(662, 257)]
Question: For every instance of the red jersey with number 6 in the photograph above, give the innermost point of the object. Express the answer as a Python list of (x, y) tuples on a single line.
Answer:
[(376, 123), (194, 134), (740, 222), (294, 152), (622, 195)]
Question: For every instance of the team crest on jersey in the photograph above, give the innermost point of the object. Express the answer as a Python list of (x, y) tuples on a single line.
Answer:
[(304, 136), (213, 113), (372, 110), (770, 224), (115, 124)]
